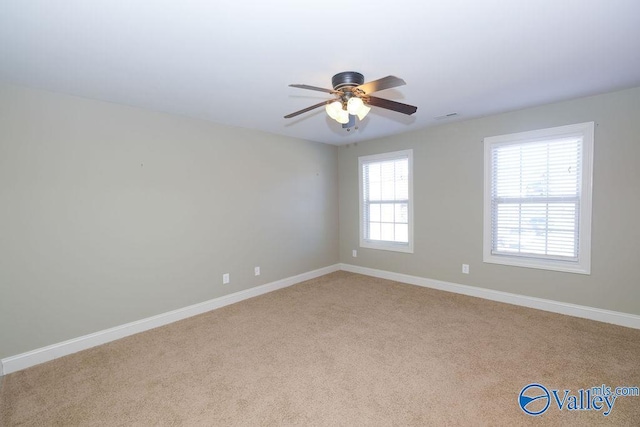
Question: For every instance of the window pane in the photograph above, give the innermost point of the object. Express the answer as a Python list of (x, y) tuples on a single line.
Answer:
[(386, 232), (402, 213), (375, 192), (374, 230), (402, 233), (401, 179), (563, 216), (374, 212), (387, 190), (387, 212), (387, 180), (562, 243), (374, 172)]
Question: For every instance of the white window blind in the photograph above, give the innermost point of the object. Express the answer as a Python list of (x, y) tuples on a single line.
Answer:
[(385, 202), (535, 197)]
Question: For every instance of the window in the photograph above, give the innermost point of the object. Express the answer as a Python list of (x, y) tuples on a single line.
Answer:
[(386, 193), (537, 198)]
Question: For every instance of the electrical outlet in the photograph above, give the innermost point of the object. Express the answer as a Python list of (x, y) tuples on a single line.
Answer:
[(256, 271), (225, 278), (465, 268), (354, 253)]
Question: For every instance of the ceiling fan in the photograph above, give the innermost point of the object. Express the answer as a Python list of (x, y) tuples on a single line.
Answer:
[(353, 98)]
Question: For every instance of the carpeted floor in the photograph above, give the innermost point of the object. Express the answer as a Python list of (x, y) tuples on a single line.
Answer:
[(343, 349)]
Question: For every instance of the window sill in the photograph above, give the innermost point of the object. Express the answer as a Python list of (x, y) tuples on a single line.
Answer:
[(387, 246), (540, 264)]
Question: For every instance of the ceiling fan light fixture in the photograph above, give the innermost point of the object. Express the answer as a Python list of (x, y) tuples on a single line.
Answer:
[(357, 107), (362, 113), (343, 117), (333, 109), (354, 105)]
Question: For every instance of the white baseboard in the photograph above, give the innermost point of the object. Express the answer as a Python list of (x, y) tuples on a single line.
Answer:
[(45, 354), (607, 316)]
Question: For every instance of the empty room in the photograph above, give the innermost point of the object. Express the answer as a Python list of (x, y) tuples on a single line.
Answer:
[(319, 213)]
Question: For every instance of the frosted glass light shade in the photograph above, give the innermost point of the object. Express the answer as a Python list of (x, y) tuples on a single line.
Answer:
[(363, 111), (333, 109), (357, 107), (354, 105), (343, 117)]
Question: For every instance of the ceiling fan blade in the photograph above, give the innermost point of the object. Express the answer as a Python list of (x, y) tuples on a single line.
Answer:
[(381, 84), (319, 89), (391, 105), (304, 110)]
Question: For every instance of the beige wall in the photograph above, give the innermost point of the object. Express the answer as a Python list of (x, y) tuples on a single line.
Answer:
[(110, 214), (448, 192)]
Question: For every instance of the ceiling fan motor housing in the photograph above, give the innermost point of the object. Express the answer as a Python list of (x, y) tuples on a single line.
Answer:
[(347, 79)]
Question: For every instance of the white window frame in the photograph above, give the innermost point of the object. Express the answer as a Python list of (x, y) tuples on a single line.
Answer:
[(381, 244), (583, 264)]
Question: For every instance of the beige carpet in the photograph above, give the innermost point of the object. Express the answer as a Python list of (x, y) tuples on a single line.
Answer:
[(343, 349)]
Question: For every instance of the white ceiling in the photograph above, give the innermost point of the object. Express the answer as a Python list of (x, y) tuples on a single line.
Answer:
[(231, 62)]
